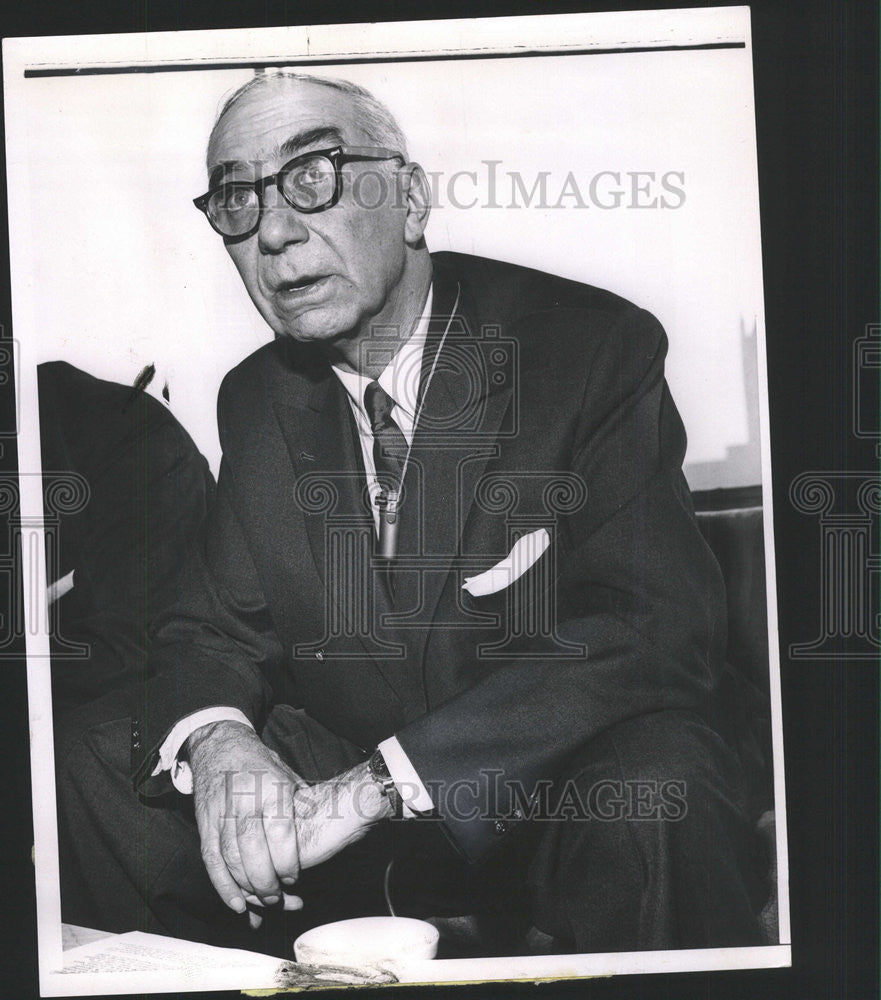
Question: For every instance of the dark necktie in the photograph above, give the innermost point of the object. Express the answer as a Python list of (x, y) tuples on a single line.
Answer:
[(389, 457)]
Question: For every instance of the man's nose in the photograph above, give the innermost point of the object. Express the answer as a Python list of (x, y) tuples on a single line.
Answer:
[(280, 224)]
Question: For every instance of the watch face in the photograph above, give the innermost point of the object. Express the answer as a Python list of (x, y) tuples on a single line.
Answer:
[(378, 767)]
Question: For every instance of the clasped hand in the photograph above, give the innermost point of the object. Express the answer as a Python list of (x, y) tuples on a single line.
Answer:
[(260, 823)]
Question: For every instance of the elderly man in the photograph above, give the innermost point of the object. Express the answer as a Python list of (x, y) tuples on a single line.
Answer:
[(450, 609)]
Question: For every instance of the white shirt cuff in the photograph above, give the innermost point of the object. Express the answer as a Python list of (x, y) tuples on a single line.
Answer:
[(414, 795), (181, 775)]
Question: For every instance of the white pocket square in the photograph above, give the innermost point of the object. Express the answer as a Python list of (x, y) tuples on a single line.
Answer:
[(527, 550), (59, 588)]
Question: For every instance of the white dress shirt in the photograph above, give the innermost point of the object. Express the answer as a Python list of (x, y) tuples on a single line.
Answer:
[(400, 379)]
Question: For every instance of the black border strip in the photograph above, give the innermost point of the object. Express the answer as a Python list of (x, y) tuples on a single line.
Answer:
[(358, 60)]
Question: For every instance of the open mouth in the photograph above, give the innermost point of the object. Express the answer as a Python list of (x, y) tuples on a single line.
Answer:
[(305, 283)]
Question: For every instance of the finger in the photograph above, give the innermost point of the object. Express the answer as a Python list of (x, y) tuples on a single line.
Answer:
[(256, 859), (281, 839), (229, 850), (227, 887), (289, 901), (212, 851)]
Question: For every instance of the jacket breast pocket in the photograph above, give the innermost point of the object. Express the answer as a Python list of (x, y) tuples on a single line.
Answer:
[(513, 584)]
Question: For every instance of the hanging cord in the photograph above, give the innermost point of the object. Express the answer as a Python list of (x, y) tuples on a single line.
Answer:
[(424, 391), (385, 888)]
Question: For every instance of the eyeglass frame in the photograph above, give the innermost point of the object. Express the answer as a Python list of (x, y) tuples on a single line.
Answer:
[(337, 155)]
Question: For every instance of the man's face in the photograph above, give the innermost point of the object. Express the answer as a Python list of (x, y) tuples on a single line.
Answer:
[(314, 277)]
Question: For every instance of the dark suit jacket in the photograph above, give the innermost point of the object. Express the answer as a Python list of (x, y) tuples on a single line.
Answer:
[(548, 408), (126, 489)]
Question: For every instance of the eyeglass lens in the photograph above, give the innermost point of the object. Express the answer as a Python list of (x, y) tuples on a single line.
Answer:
[(308, 184)]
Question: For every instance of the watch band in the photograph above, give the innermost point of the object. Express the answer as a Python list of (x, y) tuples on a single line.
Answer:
[(378, 770)]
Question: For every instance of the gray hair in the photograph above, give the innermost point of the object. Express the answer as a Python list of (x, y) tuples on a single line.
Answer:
[(374, 118)]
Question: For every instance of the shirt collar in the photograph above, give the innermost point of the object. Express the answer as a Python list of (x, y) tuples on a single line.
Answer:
[(401, 376)]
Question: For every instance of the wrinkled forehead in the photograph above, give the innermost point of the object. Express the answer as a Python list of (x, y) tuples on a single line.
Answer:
[(263, 128)]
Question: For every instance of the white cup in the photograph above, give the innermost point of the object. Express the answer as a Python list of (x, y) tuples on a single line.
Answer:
[(367, 941)]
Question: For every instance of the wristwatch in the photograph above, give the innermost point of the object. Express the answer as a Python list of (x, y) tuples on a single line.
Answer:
[(379, 771)]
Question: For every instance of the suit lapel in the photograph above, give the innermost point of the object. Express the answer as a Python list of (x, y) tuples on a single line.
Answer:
[(463, 408), (328, 472)]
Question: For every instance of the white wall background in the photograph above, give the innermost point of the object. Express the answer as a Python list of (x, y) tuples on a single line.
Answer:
[(127, 272)]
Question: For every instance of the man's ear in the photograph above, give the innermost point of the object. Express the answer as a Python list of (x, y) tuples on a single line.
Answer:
[(417, 200)]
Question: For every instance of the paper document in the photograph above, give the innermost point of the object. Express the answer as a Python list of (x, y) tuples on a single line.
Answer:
[(151, 959), (137, 962)]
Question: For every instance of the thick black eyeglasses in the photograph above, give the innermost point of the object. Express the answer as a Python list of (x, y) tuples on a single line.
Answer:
[(311, 182)]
